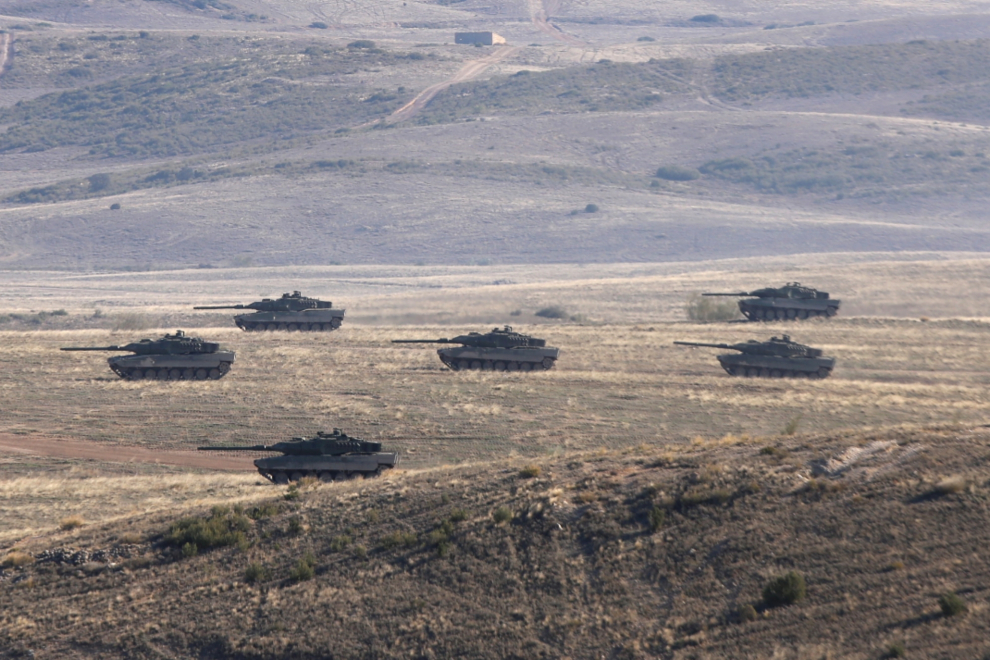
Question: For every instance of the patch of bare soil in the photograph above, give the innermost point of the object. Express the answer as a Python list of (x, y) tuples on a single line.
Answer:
[(657, 552), (61, 448)]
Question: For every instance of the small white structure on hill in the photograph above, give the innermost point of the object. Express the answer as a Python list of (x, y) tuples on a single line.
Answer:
[(483, 38)]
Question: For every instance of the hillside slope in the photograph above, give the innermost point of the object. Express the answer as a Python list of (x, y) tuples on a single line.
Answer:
[(645, 553)]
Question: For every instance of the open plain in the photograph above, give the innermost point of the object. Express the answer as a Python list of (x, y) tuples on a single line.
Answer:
[(583, 183)]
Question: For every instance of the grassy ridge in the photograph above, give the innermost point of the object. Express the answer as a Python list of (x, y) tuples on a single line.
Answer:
[(207, 105)]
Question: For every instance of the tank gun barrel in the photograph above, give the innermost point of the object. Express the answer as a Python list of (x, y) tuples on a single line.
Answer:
[(93, 348), (421, 341), (251, 448), (737, 294), (697, 343), (222, 307)]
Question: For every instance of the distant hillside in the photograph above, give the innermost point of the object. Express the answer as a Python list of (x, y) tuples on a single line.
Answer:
[(655, 552)]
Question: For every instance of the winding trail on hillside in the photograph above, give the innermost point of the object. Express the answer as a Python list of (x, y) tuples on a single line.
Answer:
[(40, 445), (6, 51), (540, 11), (469, 71)]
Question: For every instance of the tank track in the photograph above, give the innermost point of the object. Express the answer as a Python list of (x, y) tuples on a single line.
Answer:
[(260, 326), (761, 314), (497, 365), (201, 373), (282, 477), (757, 372)]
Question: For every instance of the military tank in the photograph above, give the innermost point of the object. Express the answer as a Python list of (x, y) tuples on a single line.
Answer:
[(332, 456), (498, 350), (791, 301), (292, 312), (777, 358), (173, 357)]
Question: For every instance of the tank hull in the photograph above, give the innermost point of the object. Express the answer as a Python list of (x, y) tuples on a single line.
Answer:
[(787, 309), (464, 358), (309, 320), (197, 366), (758, 366), (283, 469)]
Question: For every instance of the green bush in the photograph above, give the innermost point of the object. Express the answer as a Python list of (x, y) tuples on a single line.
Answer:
[(399, 540), (783, 590), (502, 514), (458, 515), (361, 44), (338, 543), (530, 471), (896, 650), (304, 569), (658, 517), (677, 173), (255, 573), (747, 613), (222, 528), (951, 604), (705, 310), (552, 312), (266, 510), (591, 208), (706, 18), (295, 526)]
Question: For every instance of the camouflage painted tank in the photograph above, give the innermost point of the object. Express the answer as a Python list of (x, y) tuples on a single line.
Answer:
[(777, 358), (498, 350), (791, 301), (292, 312), (173, 357), (328, 457)]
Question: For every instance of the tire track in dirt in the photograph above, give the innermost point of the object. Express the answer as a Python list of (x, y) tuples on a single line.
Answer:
[(540, 12), (469, 71), (39, 445)]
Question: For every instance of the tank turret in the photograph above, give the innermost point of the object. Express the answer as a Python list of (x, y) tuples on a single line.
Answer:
[(500, 350), (332, 456), (172, 357), (779, 357), (791, 301), (293, 311)]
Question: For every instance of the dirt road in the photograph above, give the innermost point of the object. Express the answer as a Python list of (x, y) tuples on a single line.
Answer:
[(39, 445), (469, 71), (540, 11), (6, 51)]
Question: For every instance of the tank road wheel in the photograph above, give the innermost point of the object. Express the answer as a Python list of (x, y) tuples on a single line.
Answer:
[(476, 364), (297, 475), (525, 366), (487, 365), (831, 311), (799, 374), (776, 373), (215, 374), (281, 478), (512, 366), (764, 373), (752, 372), (201, 374), (791, 314), (463, 365), (548, 363), (499, 366), (803, 314), (283, 327), (732, 371), (325, 477), (161, 374), (188, 374), (267, 327), (335, 323), (150, 374), (292, 327), (135, 374), (224, 367), (824, 372)]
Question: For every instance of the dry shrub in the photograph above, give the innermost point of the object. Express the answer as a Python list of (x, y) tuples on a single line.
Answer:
[(785, 589), (951, 485), (16, 558), (131, 538), (747, 613), (951, 604), (530, 471), (70, 523), (304, 568), (704, 310), (502, 514)]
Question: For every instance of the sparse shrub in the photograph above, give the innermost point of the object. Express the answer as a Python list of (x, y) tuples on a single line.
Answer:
[(700, 308), (530, 471), (645, 38), (591, 208), (458, 515), (895, 650), (399, 540), (747, 613), (791, 427), (374, 516), (677, 173), (552, 312), (771, 451), (951, 604), (361, 44), (338, 543), (304, 568), (70, 523), (255, 572), (515, 312), (705, 18), (99, 182), (266, 510), (16, 558), (292, 492), (222, 528), (115, 206), (295, 526), (951, 485), (319, 25), (783, 590), (360, 551), (897, 565), (502, 514), (657, 518)]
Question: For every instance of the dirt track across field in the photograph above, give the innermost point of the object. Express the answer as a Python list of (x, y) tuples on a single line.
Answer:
[(45, 446)]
